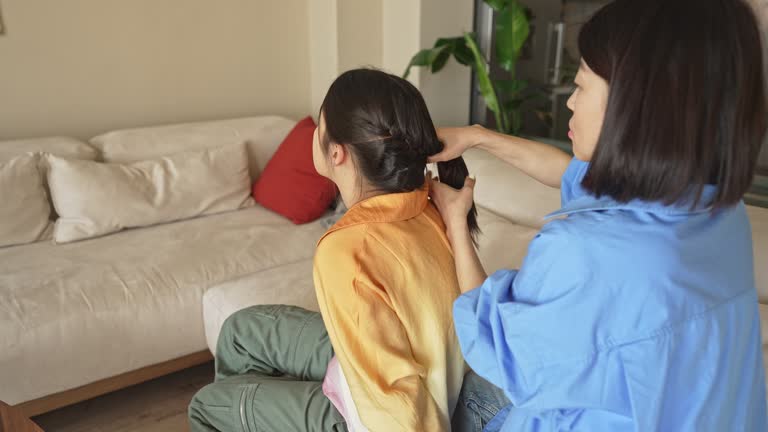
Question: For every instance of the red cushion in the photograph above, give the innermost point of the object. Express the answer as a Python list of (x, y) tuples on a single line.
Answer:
[(290, 185)]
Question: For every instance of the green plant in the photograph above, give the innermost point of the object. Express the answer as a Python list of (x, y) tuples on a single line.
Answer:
[(504, 97)]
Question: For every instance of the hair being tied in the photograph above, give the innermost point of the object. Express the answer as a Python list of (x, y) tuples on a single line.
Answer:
[(384, 122)]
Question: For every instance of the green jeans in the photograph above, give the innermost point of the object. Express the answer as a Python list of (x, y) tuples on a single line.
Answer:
[(270, 364)]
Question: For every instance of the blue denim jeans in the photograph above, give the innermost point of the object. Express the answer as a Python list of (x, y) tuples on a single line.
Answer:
[(479, 402)]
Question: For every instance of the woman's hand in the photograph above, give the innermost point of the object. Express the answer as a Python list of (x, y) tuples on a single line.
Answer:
[(456, 141), (543, 162), (454, 204)]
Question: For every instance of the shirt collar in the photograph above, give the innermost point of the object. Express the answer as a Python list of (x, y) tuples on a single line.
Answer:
[(588, 203), (393, 207)]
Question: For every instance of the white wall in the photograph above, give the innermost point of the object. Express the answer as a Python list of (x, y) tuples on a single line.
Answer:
[(385, 34), (360, 33), (81, 67), (448, 92), (324, 49), (401, 34)]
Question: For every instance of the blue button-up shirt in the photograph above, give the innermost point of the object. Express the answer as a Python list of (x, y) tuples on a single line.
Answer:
[(631, 316)]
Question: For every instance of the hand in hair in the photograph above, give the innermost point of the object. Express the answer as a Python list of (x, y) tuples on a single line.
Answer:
[(456, 140), (453, 204)]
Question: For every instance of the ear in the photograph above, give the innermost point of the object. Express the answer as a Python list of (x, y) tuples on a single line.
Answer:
[(339, 154)]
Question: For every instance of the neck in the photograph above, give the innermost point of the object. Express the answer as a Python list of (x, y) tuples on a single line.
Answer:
[(354, 194), (350, 199)]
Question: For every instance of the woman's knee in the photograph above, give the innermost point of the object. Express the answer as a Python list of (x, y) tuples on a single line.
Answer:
[(247, 321)]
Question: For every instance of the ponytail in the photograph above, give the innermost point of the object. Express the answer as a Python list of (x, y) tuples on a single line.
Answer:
[(454, 173)]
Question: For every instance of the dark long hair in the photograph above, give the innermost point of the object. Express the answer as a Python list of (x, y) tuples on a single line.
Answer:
[(687, 104), (383, 121)]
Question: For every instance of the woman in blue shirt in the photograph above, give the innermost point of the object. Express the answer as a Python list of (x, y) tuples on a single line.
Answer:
[(635, 308)]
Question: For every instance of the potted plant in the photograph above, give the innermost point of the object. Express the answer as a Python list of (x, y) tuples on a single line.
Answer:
[(503, 97)]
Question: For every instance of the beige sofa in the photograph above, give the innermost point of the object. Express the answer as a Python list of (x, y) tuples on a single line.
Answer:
[(511, 208), (83, 318)]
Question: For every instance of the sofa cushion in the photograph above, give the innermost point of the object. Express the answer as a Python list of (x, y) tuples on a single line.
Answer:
[(76, 313), (509, 192), (503, 243), (289, 284), (95, 199), (25, 212), (763, 311), (261, 135), (758, 219), (290, 185), (65, 147)]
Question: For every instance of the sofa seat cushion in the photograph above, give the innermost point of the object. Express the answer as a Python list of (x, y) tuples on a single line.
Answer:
[(76, 313), (758, 219), (508, 192), (290, 284), (503, 243)]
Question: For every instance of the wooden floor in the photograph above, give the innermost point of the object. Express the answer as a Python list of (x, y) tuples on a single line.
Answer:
[(159, 405)]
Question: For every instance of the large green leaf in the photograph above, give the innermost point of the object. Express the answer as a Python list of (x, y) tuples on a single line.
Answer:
[(425, 57), (462, 53), (449, 41), (442, 58), (458, 47), (421, 58), (512, 30), (480, 66), (452, 45), (497, 5)]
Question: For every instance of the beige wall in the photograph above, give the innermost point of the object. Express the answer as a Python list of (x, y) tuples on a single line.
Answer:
[(448, 92), (344, 35), (347, 34), (401, 34), (81, 67), (360, 33), (324, 48)]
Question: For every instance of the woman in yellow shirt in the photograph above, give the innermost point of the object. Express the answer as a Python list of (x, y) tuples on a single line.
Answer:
[(383, 356)]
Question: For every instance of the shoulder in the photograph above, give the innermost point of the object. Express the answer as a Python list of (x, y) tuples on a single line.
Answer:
[(341, 251), (558, 261), (556, 241), (348, 240), (356, 250)]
